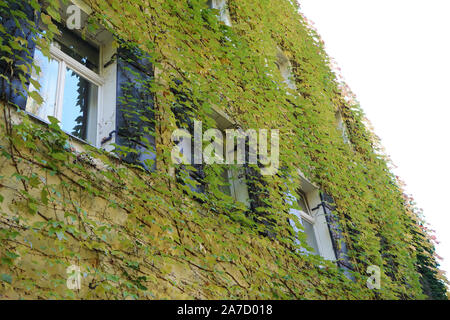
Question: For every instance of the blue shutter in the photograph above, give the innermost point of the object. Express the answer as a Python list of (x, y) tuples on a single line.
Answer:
[(19, 20), (257, 193), (254, 179), (339, 245), (182, 109), (135, 114)]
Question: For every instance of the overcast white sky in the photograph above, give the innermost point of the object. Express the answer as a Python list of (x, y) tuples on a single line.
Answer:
[(395, 55)]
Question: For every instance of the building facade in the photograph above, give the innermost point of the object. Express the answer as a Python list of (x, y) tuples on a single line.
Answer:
[(101, 197)]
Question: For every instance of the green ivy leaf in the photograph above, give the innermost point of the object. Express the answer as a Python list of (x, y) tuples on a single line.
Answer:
[(44, 196), (36, 97), (59, 156)]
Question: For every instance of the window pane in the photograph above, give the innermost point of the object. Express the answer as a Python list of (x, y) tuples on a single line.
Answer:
[(47, 78), (284, 66), (240, 186), (79, 49), (225, 183), (310, 235), (79, 107), (303, 203), (224, 14)]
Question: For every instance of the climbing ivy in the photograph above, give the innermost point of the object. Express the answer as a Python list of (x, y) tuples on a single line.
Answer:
[(138, 233)]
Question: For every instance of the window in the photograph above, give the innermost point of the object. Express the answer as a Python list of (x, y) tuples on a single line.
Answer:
[(233, 176), (307, 220), (99, 92), (184, 115), (193, 178), (285, 68), (79, 83), (70, 85), (341, 127), (235, 180), (224, 13), (311, 215)]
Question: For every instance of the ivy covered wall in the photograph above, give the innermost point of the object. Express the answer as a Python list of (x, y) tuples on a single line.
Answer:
[(139, 233)]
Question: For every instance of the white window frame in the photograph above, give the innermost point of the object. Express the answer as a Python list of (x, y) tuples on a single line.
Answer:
[(224, 13), (342, 127), (105, 80), (65, 61), (309, 217), (311, 195), (306, 215), (285, 68), (235, 182)]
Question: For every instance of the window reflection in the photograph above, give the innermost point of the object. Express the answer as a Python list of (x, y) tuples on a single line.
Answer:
[(303, 203), (310, 235), (225, 186), (47, 77), (67, 95), (79, 106)]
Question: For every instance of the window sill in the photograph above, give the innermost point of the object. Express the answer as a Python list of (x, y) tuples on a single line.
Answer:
[(77, 145), (46, 123)]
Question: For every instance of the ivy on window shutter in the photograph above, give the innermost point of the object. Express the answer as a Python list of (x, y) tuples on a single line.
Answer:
[(184, 114), (19, 21), (135, 116), (337, 239), (257, 193)]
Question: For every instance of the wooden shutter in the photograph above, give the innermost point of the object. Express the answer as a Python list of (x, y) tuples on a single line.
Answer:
[(23, 25), (135, 114), (184, 113), (257, 193), (337, 239)]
